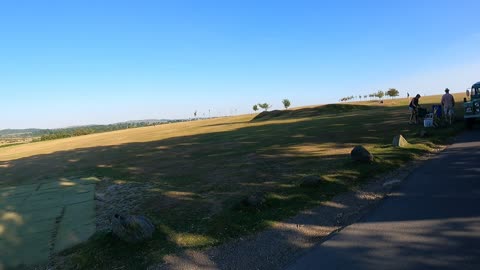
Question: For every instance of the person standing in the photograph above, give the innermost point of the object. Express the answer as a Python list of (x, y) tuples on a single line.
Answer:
[(413, 107), (448, 102)]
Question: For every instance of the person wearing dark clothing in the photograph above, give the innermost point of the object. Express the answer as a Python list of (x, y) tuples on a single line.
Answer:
[(413, 107)]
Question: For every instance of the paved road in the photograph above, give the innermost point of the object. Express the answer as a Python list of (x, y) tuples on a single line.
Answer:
[(432, 221)]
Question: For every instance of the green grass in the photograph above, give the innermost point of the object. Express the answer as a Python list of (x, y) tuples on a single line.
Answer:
[(202, 176)]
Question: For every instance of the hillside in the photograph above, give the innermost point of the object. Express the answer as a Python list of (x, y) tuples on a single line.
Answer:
[(9, 137), (19, 133), (194, 176)]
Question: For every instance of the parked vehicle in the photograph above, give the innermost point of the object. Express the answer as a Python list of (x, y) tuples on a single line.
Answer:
[(472, 106)]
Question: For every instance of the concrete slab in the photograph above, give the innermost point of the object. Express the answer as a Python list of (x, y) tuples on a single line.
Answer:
[(70, 235), (35, 250), (36, 220), (21, 191)]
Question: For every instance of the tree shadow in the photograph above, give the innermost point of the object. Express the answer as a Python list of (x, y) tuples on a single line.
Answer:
[(309, 112), (432, 221)]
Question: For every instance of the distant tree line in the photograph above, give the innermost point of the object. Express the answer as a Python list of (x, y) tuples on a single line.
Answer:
[(265, 106), (52, 134), (392, 92)]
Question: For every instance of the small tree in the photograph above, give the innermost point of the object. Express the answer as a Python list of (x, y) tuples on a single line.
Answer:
[(380, 94), (286, 103), (264, 106), (392, 92), (255, 107)]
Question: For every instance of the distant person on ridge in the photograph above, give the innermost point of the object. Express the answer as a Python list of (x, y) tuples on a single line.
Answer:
[(413, 107), (448, 102)]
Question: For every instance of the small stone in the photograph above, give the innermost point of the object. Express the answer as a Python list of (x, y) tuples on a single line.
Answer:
[(100, 197), (132, 229), (339, 218), (360, 154), (399, 141)]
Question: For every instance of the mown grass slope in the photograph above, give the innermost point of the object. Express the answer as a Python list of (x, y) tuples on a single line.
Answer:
[(202, 170)]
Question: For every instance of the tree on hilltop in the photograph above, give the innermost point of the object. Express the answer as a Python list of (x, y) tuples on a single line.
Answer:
[(380, 94), (286, 103), (392, 92), (264, 106), (255, 107)]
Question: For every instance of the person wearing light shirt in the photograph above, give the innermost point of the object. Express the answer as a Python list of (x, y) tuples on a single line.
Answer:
[(448, 102)]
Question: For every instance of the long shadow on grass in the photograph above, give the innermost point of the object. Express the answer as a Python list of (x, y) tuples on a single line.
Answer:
[(432, 222), (310, 112), (200, 180), (433, 216)]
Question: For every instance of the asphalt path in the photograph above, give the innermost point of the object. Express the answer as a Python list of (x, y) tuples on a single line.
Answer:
[(431, 221)]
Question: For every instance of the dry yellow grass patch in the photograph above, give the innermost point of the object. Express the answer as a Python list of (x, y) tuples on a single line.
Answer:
[(144, 134)]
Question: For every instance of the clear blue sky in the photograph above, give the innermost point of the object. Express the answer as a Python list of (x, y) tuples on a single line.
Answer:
[(66, 63)]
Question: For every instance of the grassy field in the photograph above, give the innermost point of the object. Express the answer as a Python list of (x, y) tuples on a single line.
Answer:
[(7, 142), (202, 170)]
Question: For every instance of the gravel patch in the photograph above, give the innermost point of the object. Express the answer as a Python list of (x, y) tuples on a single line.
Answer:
[(113, 197)]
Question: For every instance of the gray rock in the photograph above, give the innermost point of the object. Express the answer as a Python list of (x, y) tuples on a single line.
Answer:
[(399, 141), (100, 196), (360, 154), (132, 229), (311, 181)]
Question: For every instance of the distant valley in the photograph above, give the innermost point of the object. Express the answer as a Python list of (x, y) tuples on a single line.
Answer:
[(10, 137)]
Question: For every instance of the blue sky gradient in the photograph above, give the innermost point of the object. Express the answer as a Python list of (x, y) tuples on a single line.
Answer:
[(66, 63)]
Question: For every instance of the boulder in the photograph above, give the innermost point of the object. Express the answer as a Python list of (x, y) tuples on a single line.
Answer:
[(132, 229), (311, 181), (360, 154), (399, 141)]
